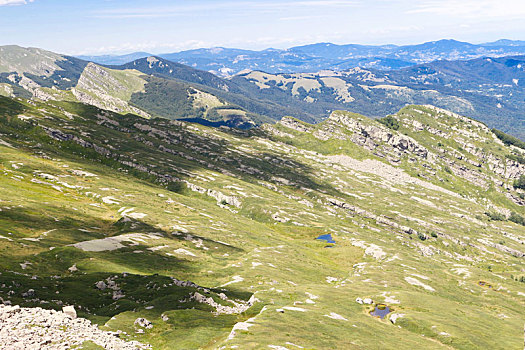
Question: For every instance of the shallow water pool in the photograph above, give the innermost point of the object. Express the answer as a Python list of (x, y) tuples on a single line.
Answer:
[(380, 311)]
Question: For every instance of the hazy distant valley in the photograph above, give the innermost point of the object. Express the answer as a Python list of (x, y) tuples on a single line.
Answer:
[(487, 89)]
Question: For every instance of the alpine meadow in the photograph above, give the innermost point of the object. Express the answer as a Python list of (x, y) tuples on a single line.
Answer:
[(262, 175)]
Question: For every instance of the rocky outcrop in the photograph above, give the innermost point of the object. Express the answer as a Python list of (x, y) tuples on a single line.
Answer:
[(238, 307), (61, 136), (294, 124), (503, 248), (371, 136), (95, 87), (219, 196), (379, 219), (36, 328)]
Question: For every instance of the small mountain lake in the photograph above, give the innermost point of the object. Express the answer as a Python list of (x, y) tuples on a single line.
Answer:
[(327, 238), (380, 311)]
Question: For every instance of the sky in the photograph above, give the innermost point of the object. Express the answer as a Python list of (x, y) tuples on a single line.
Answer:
[(78, 27)]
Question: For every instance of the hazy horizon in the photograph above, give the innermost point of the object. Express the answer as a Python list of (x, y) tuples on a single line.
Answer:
[(100, 27), (284, 48)]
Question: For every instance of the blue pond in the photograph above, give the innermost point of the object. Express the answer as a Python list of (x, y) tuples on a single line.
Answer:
[(380, 311), (327, 238)]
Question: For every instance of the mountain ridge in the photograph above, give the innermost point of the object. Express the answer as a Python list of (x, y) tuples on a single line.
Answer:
[(489, 89), (306, 58)]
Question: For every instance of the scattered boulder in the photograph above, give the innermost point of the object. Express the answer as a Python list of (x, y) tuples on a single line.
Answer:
[(70, 311), (29, 294), (394, 317), (101, 285), (117, 294), (143, 323), (335, 316)]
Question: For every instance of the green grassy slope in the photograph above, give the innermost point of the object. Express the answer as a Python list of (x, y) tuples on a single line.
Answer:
[(237, 212), (41, 67), (171, 78)]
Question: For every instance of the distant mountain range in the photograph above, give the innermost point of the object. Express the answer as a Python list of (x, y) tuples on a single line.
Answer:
[(487, 89), (321, 56)]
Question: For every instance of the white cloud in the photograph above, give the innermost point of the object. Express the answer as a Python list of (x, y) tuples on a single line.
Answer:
[(472, 9), (14, 2), (142, 46), (315, 3), (182, 9), (386, 30), (158, 11), (300, 18)]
